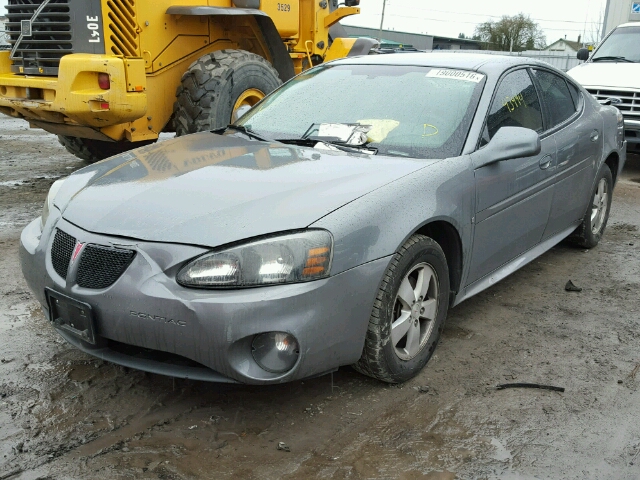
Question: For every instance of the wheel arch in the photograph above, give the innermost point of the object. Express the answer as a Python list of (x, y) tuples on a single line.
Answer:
[(613, 162), (279, 56), (448, 237)]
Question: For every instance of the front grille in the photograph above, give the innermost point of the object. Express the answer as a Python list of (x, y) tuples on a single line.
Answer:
[(123, 28), (61, 251), (630, 106), (101, 266), (50, 38)]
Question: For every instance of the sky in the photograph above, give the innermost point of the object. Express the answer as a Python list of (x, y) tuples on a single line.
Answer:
[(556, 17)]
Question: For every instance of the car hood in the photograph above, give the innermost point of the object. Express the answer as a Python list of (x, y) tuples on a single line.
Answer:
[(607, 74), (210, 190)]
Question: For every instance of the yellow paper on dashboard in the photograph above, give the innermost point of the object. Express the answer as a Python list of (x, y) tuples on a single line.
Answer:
[(380, 128)]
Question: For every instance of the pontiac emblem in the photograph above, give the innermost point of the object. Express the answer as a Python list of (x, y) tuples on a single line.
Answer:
[(76, 251)]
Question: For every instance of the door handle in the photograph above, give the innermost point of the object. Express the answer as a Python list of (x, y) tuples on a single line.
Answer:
[(595, 135), (545, 162)]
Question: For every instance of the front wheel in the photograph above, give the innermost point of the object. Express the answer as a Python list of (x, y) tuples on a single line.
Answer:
[(589, 233), (408, 313)]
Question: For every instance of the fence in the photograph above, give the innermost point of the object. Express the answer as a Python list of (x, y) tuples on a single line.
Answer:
[(562, 61)]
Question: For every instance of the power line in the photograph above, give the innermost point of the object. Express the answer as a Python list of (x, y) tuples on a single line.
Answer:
[(472, 23), (495, 16)]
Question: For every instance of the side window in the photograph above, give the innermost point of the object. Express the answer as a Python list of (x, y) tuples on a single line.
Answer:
[(516, 104), (575, 95), (556, 96)]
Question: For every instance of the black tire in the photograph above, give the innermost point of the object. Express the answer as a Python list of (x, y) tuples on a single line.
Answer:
[(213, 84), (585, 236), (379, 358), (92, 151)]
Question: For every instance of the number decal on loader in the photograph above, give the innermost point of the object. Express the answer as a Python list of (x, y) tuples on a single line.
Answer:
[(94, 26), (284, 7)]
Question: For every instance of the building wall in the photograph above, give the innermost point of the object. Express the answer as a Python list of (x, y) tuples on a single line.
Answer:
[(618, 12), (421, 42), (417, 40), (560, 47)]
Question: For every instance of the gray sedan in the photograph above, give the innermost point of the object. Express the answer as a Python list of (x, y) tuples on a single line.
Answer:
[(334, 224)]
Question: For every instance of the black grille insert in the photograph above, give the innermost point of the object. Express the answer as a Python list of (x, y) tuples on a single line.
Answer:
[(61, 251), (101, 266), (44, 41)]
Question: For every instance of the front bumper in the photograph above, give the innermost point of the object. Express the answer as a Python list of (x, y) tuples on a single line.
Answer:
[(74, 97), (329, 317)]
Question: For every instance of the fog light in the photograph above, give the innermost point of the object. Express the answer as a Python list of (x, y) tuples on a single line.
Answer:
[(275, 352)]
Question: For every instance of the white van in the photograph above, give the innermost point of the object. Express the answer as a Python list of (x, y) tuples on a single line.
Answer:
[(613, 72)]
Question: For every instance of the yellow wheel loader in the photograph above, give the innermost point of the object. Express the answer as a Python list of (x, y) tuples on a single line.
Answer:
[(107, 76)]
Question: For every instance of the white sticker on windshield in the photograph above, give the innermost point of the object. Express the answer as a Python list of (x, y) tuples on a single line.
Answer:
[(456, 75)]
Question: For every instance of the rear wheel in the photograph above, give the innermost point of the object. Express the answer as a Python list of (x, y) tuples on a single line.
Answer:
[(95, 150), (408, 313), (219, 84), (589, 233)]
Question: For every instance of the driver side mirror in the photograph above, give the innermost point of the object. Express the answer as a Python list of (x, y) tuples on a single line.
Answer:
[(583, 54), (508, 143)]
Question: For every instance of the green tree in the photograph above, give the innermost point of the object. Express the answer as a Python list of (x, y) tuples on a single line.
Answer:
[(462, 35), (515, 33)]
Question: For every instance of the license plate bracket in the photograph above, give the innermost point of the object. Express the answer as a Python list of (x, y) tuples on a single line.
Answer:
[(71, 316)]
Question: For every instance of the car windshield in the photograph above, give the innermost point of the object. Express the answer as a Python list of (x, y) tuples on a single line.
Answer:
[(413, 111), (623, 42)]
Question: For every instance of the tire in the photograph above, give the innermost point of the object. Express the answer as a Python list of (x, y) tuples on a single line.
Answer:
[(216, 85), (590, 231), (92, 151), (390, 357)]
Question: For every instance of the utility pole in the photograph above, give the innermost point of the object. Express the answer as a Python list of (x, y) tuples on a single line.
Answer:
[(384, 4)]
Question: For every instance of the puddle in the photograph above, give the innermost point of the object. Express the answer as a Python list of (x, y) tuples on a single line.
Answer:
[(501, 454), (13, 183)]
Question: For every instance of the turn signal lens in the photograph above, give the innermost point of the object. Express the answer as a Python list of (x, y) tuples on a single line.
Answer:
[(104, 81), (317, 264)]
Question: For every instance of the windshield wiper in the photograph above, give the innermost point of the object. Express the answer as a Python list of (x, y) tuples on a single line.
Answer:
[(313, 141), (613, 58), (246, 130)]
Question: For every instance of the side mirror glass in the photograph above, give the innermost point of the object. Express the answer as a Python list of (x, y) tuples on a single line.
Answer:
[(508, 143), (583, 54)]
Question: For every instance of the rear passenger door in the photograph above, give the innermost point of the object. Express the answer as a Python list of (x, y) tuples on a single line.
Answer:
[(513, 197), (578, 137)]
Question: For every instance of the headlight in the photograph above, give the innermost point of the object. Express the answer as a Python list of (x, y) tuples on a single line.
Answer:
[(293, 258), (48, 203)]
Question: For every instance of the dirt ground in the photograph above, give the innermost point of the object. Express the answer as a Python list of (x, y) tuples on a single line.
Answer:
[(64, 414)]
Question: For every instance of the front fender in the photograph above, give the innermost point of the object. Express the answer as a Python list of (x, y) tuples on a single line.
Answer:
[(377, 224), (280, 58)]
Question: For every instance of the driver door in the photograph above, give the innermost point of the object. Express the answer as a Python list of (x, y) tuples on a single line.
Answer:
[(513, 197)]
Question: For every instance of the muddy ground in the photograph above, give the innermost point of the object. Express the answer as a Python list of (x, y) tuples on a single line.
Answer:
[(64, 414)]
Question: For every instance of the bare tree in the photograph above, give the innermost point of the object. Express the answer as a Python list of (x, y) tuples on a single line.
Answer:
[(515, 33), (593, 34)]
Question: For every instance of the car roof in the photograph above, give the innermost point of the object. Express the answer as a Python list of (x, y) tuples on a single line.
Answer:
[(480, 62), (631, 24)]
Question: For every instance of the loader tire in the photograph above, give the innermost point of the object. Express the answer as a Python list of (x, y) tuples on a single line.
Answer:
[(216, 85), (92, 151)]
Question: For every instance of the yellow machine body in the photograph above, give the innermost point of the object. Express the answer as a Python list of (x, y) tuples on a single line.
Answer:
[(149, 44)]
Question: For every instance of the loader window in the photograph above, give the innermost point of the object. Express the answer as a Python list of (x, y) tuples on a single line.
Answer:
[(414, 111)]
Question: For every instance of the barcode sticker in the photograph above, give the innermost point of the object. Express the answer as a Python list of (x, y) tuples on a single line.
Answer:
[(456, 75)]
